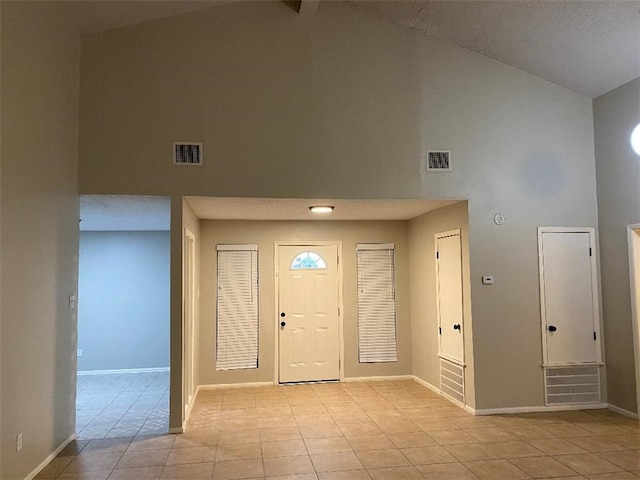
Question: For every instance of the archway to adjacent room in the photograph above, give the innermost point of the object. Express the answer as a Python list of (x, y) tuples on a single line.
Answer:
[(123, 316)]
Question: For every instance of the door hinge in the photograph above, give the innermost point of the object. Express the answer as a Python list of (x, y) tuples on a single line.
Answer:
[(589, 251), (338, 311), (440, 330), (594, 336), (438, 255)]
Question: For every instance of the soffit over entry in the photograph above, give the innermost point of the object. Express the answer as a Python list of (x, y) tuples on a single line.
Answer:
[(232, 208)]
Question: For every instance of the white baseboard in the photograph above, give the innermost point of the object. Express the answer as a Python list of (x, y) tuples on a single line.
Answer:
[(622, 411), (424, 383), (124, 370), (233, 385), (537, 409), (48, 460), (391, 378)]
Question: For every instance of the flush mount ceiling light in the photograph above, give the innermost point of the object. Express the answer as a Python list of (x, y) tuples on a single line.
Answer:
[(322, 208), (635, 139)]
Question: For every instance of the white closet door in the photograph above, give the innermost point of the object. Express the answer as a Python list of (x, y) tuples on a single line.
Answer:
[(569, 301), (449, 295)]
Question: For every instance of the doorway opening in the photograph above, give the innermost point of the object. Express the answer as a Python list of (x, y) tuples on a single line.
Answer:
[(123, 317)]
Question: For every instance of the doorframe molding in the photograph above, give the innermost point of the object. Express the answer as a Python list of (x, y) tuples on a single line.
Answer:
[(594, 287), (276, 257), (633, 239), (186, 371)]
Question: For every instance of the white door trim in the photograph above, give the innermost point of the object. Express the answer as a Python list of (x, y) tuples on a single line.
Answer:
[(633, 236), (276, 313), (188, 320), (594, 287)]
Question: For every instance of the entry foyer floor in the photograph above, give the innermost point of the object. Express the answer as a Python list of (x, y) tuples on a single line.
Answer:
[(378, 430), (122, 405)]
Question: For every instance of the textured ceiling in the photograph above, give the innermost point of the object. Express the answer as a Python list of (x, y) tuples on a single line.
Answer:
[(298, 209), (587, 46)]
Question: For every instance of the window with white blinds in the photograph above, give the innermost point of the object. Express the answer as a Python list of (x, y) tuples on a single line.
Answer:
[(376, 303), (237, 307)]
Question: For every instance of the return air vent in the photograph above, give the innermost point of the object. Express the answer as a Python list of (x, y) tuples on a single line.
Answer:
[(438, 161), (187, 153), (452, 380), (572, 385)]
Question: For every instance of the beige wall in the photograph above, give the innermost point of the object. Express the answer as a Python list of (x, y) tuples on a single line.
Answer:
[(39, 247), (345, 105), (265, 234), (424, 319), (618, 174)]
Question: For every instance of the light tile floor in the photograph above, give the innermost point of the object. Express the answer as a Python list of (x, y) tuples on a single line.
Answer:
[(122, 405), (352, 431)]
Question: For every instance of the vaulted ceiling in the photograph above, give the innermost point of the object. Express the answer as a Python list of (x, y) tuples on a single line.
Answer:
[(587, 46)]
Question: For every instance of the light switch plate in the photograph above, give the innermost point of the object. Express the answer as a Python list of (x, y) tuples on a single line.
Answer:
[(487, 280)]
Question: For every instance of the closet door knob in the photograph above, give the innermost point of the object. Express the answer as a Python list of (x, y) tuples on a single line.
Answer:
[(552, 328), (282, 324)]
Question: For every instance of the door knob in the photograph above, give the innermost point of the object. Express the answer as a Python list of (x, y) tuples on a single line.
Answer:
[(456, 326), (282, 324), (282, 314), (552, 328)]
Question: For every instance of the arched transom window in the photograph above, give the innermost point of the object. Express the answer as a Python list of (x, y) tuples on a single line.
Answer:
[(308, 260)]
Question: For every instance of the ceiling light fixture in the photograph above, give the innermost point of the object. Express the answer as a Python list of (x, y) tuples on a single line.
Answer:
[(635, 139), (322, 208)]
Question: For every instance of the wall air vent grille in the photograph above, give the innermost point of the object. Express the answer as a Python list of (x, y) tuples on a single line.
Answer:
[(187, 153), (438, 161), (452, 380), (572, 385)]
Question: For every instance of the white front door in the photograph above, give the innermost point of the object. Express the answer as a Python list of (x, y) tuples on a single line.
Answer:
[(570, 312), (449, 295), (309, 339)]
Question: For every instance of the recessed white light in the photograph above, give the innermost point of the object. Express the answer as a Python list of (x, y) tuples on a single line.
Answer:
[(635, 139), (321, 208)]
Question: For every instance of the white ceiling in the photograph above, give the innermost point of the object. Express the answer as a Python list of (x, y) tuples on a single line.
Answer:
[(588, 46), (298, 208)]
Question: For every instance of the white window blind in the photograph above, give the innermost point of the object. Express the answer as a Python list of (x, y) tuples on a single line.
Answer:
[(376, 303), (237, 307)]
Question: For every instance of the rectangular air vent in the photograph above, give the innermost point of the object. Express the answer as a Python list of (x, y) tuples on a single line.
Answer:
[(452, 380), (572, 385), (438, 161), (187, 153)]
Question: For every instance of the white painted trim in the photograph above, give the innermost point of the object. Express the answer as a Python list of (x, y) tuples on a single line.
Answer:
[(624, 412), (424, 383), (188, 324), (633, 237), (49, 458), (595, 290), (177, 430), (542, 408), (391, 378), (123, 371), (233, 385), (340, 273)]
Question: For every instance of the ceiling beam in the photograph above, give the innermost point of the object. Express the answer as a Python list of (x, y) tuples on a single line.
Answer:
[(308, 8)]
